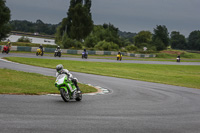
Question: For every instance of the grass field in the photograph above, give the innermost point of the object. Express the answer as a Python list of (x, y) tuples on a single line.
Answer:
[(187, 76), (15, 82)]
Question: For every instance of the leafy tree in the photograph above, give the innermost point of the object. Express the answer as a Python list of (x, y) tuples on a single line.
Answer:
[(159, 44), (194, 40), (4, 19), (38, 26), (106, 32), (177, 40), (161, 35), (125, 42), (78, 23), (111, 34), (143, 37), (127, 38)]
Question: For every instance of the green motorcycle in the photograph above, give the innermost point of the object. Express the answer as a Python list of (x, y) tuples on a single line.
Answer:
[(68, 90)]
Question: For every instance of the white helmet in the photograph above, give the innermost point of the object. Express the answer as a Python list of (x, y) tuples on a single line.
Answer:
[(59, 68)]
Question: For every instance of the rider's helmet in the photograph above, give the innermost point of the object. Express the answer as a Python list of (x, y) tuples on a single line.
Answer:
[(59, 68), (58, 47)]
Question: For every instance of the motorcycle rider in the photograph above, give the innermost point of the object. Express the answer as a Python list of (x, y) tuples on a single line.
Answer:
[(41, 47), (178, 58), (60, 70), (58, 48), (8, 45), (119, 55), (84, 53)]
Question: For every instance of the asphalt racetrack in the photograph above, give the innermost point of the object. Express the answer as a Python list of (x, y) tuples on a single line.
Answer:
[(130, 107)]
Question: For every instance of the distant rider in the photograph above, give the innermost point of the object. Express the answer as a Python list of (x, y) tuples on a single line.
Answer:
[(119, 53), (58, 48), (60, 70), (84, 54), (84, 51), (41, 47), (178, 58), (9, 45)]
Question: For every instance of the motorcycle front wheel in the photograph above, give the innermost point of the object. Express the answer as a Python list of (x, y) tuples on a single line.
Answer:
[(65, 95), (79, 97)]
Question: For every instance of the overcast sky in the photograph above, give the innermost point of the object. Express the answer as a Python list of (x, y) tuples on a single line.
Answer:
[(127, 15)]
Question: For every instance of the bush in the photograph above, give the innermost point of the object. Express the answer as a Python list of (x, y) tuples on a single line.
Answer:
[(24, 39), (103, 45), (70, 43), (165, 55), (190, 55), (131, 48), (90, 41)]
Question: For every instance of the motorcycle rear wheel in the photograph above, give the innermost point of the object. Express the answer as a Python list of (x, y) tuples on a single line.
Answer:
[(65, 95)]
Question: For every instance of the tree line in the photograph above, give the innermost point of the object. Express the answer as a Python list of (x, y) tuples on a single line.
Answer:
[(77, 30), (33, 27)]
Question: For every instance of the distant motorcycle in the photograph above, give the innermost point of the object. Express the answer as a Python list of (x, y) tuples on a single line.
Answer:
[(39, 52), (119, 57), (58, 53), (178, 59), (84, 55), (5, 49), (68, 90)]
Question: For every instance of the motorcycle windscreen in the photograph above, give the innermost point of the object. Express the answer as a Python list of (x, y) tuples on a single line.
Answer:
[(60, 79)]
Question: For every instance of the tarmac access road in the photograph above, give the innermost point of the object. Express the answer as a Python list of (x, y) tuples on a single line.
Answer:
[(130, 107)]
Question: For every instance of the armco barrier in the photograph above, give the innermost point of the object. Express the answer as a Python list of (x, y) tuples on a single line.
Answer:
[(21, 48), (72, 51), (49, 50), (69, 51)]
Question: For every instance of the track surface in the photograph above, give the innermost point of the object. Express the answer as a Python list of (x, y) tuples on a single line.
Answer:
[(100, 60), (132, 106)]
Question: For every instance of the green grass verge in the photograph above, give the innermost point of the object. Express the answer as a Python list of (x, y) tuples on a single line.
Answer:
[(164, 59), (173, 54), (180, 75), (17, 82)]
